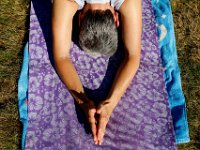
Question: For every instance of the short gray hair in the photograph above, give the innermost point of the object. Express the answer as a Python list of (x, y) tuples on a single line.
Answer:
[(98, 33)]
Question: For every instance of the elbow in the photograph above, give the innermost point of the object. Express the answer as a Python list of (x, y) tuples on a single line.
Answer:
[(60, 55), (60, 51), (133, 56), (60, 59), (134, 59)]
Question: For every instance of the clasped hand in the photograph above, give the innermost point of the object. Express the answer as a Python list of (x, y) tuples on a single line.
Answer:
[(98, 124), (97, 117)]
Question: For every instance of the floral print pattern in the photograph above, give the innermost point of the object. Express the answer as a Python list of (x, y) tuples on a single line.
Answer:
[(140, 121)]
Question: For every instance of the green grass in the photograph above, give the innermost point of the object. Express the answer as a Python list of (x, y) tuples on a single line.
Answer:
[(187, 24), (14, 33)]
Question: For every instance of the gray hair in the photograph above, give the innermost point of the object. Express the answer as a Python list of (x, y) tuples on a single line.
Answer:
[(98, 33)]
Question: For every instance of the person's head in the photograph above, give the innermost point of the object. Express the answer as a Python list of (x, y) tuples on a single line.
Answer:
[(98, 30)]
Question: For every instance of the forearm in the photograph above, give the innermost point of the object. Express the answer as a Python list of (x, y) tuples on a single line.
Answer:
[(68, 74), (124, 76), (131, 18), (70, 78), (62, 16), (64, 66)]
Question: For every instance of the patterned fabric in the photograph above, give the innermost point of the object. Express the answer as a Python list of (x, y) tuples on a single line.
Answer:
[(142, 118)]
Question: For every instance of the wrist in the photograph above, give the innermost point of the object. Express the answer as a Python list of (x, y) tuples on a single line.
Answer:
[(79, 97), (114, 101), (114, 97)]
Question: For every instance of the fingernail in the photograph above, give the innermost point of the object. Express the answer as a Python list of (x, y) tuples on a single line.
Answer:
[(96, 142)]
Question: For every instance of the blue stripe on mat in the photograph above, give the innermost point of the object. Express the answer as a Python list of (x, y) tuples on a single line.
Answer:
[(22, 94), (167, 44)]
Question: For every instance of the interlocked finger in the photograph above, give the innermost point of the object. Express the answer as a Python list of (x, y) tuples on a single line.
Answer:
[(92, 123), (103, 120)]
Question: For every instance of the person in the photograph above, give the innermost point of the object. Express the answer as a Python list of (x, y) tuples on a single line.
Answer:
[(98, 20)]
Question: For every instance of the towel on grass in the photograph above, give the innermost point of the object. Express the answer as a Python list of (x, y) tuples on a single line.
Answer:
[(97, 83), (167, 44)]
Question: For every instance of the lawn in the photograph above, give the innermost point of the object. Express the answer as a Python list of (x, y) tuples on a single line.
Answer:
[(14, 20)]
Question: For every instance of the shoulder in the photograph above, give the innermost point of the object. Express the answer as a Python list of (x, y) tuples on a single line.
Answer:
[(130, 6), (117, 3), (80, 3)]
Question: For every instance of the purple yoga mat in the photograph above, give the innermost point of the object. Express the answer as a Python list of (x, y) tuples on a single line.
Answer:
[(142, 118)]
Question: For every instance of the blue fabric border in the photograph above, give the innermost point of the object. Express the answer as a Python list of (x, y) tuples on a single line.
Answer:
[(23, 94), (167, 44)]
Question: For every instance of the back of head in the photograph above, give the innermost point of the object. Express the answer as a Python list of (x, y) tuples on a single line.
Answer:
[(98, 33)]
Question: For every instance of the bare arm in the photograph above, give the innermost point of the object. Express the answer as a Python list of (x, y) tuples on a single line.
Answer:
[(62, 16), (131, 15)]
